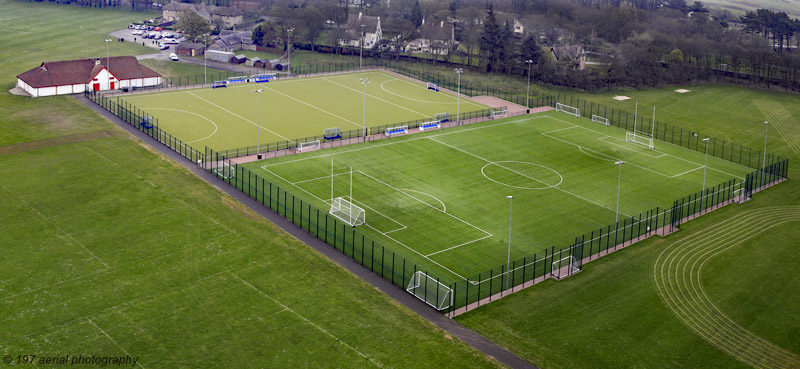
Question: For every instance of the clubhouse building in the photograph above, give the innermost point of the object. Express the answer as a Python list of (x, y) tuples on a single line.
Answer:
[(75, 76)]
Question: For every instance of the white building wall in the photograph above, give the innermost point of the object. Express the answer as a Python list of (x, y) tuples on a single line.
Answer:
[(46, 91)]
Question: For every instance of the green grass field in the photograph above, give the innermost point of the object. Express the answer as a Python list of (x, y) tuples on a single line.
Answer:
[(440, 197), (226, 118)]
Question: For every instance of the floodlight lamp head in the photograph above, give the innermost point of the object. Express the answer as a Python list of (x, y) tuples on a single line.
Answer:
[(620, 162), (459, 70), (509, 197), (766, 122), (108, 40), (260, 90), (529, 61), (364, 80), (706, 139)]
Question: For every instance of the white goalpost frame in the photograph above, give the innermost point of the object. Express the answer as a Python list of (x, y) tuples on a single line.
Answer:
[(601, 120), (499, 114), (332, 133), (568, 109), (430, 291), (396, 131), (569, 265), (312, 145), (432, 86), (225, 170), (639, 139), (347, 212), (442, 117)]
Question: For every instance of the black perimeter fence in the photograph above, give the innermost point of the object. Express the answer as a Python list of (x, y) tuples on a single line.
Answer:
[(400, 267)]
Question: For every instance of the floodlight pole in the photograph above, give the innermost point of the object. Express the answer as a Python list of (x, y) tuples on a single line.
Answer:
[(764, 160), (205, 60), (364, 82), (705, 166), (108, 62), (258, 121), (289, 49), (361, 53), (510, 209), (528, 93), (458, 96), (619, 184)]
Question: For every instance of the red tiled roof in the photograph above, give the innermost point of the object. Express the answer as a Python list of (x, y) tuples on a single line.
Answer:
[(71, 72)]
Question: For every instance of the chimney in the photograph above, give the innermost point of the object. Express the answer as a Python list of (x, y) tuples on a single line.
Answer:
[(97, 62)]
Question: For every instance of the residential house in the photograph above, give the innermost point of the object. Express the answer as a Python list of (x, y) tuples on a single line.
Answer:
[(574, 55), (190, 49), (432, 37), (224, 16), (516, 27), (233, 41), (372, 33), (75, 76)]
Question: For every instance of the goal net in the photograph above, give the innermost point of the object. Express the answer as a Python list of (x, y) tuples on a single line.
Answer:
[(499, 114), (332, 133), (739, 196), (568, 109), (433, 86), (396, 131), (306, 146), (565, 267), (218, 84), (639, 139), (428, 289), (347, 212), (601, 120), (442, 117), (225, 170)]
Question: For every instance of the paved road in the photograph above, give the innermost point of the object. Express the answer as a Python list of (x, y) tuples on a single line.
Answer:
[(450, 326)]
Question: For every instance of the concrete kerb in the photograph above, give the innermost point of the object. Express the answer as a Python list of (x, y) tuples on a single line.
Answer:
[(419, 307)]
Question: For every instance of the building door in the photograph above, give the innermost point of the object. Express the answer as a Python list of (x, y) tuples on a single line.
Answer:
[(112, 85), (96, 87)]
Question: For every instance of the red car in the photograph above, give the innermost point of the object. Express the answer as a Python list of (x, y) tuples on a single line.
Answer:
[(157, 29)]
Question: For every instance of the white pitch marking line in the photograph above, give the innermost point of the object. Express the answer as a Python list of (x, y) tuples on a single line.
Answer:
[(378, 98), (318, 178), (457, 246), (466, 98), (112, 340), (241, 117), (188, 112), (411, 98), (556, 188), (444, 208), (688, 171), (309, 322)]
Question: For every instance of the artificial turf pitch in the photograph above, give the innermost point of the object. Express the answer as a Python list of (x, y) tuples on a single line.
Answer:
[(440, 197), (233, 117)]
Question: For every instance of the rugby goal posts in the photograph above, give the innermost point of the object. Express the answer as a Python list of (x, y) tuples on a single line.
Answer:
[(395, 131), (430, 290), (219, 84), (225, 170), (568, 109), (347, 212), (332, 133), (639, 139), (433, 86), (601, 120), (565, 267), (307, 146)]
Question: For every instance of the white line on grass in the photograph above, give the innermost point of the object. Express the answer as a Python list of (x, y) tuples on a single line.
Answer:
[(378, 98), (241, 117), (411, 98), (314, 106), (14, 195), (457, 246), (309, 322), (635, 149), (188, 112), (521, 174), (444, 208), (465, 100), (112, 340)]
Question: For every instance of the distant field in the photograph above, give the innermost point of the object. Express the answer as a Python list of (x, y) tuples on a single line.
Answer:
[(440, 197), (226, 118), (739, 7)]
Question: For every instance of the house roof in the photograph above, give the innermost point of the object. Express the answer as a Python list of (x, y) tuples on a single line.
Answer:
[(77, 71), (568, 51), (436, 31), (224, 11), (179, 7), (370, 24), (190, 45), (240, 56)]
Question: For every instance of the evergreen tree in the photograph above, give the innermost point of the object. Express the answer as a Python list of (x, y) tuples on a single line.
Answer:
[(490, 42), (416, 15)]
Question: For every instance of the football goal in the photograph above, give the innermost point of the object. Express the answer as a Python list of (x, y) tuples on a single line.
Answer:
[(433, 86), (308, 146), (147, 122), (218, 84), (429, 290), (442, 117), (499, 114), (394, 131), (568, 109), (601, 120), (332, 133), (565, 267), (259, 78), (347, 212), (427, 126), (225, 170), (639, 139), (739, 196)]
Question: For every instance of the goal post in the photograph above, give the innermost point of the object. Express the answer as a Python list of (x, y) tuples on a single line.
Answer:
[(224, 170), (430, 290), (639, 139), (433, 86), (332, 133), (565, 267), (347, 212), (307, 146), (442, 117), (601, 120), (568, 109)]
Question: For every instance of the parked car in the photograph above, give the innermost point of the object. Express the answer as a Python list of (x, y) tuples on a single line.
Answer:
[(157, 29), (130, 26), (158, 36), (163, 46), (171, 41), (173, 57)]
